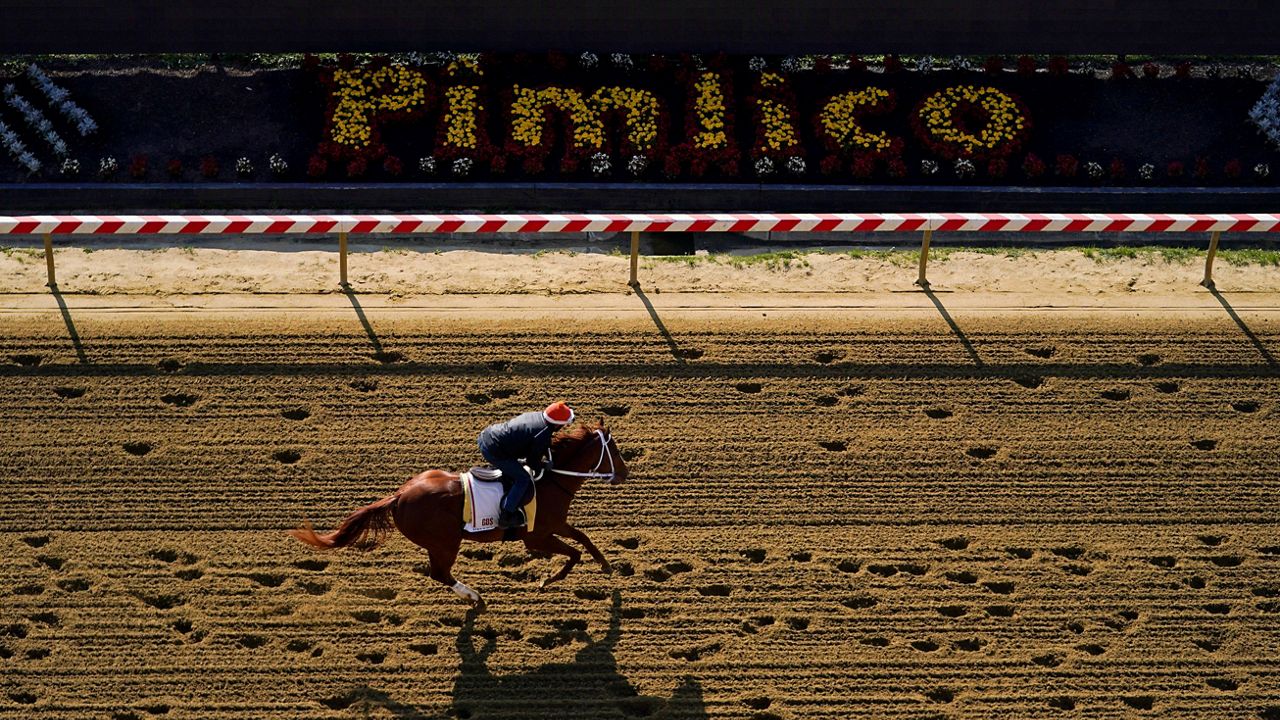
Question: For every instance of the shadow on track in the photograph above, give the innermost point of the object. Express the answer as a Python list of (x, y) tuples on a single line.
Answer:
[(378, 353), (657, 321), (588, 686), (964, 340), (1257, 344), (71, 326)]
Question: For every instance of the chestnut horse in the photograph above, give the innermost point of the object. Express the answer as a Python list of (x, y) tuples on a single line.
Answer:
[(428, 510)]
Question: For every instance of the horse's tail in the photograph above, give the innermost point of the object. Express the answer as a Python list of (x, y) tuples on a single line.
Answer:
[(364, 529)]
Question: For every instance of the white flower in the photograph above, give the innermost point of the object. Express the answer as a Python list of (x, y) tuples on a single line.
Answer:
[(588, 60), (70, 166), (600, 164), (1093, 170), (427, 165), (960, 62), (928, 167), (1262, 170), (637, 165), (108, 166), (757, 64), (924, 64), (278, 164), (795, 165), (764, 166), (964, 168), (622, 60), (462, 166), (790, 64), (244, 166), (1147, 171), (61, 99)]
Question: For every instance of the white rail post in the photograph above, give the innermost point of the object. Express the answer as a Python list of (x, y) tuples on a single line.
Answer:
[(635, 258), (342, 258), (923, 281), (1208, 261), (48, 259)]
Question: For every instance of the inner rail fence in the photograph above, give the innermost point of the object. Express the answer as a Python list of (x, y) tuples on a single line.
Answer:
[(636, 223)]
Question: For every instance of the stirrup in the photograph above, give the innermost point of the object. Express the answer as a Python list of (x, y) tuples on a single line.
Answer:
[(513, 519)]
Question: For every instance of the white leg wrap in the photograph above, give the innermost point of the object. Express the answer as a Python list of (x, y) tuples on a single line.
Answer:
[(465, 592)]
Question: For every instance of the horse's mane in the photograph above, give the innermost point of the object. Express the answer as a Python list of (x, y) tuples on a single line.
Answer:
[(567, 440)]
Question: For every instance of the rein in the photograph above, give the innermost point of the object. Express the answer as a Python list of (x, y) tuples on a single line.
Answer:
[(594, 472)]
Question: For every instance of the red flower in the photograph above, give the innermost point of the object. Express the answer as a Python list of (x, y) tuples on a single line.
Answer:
[(1117, 169), (1182, 70), (1058, 66), (209, 167), (829, 165), (1202, 168), (317, 166), (393, 166), (863, 167), (994, 65), (498, 164), (1150, 70), (1033, 166), (174, 168), (357, 168), (998, 168), (892, 64), (1175, 169), (1026, 65), (856, 64), (1233, 169), (896, 168), (138, 168), (1066, 166)]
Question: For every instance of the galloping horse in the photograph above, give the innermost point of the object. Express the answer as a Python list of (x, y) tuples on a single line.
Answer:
[(428, 510)]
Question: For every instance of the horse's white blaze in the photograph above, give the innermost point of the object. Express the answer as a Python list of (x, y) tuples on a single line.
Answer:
[(465, 592)]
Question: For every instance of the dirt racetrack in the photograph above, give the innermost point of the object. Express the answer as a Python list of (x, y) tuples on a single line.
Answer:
[(833, 513)]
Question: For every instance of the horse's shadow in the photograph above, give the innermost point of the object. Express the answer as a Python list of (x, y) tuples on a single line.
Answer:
[(590, 685)]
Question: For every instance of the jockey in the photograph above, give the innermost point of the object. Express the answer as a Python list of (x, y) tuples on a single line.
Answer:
[(526, 437)]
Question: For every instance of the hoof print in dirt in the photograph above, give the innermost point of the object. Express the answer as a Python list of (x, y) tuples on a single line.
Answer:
[(833, 445), (1168, 387), (1205, 444), (937, 413), (749, 388), (1245, 406), (981, 453), (1140, 702), (1115, 394), (616, 410), (388, 357), (181, 400), (690, 353), (1030, 382), (826, 357), (697, 652), (286, 457), (958, 542), (364, 384), (27, 360), (171, 365), (297, 413), (1148, 359), (1044, 352), (137, 449), (479, 398), (69, 393)]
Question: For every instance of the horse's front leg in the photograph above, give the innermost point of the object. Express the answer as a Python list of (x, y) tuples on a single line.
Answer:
[(556, 546), (585, 542)]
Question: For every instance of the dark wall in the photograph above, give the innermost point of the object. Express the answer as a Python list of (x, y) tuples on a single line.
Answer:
[(937, 27)]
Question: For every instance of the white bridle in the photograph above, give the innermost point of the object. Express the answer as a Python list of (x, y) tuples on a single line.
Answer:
[(605, 439)]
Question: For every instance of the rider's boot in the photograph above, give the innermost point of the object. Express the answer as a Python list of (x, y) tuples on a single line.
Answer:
[(511, 518)]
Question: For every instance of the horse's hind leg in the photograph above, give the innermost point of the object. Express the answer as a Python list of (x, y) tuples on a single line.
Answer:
[(442, 560), (553, 544), (585, 542)]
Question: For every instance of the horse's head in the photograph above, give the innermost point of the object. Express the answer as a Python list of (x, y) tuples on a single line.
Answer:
[(619, 464), (589, 451)]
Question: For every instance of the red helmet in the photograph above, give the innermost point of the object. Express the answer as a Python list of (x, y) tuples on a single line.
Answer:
[(557, 413)]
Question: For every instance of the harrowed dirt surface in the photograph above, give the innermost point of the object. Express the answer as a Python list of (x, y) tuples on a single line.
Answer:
[(931, 507)]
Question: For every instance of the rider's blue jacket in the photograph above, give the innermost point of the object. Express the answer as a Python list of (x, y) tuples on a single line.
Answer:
[(525, 436)]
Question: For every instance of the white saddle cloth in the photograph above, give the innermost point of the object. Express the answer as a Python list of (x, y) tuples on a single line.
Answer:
[(480, 506)]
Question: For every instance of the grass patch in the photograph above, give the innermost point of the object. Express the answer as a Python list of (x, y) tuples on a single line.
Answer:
[(1169, 254), (1251, 256)]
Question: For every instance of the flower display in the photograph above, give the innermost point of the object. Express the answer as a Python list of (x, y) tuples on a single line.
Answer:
[(363, 98), (964, 168), (1147, 172), (108, 166), (585, 119), (427, 165), (709, 124), (776, 119), (839, 123), (70, 167), (969, 121), (277, 164), (463, 121)]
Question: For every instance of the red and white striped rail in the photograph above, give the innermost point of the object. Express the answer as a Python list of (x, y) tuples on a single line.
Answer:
[(629, 222)]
